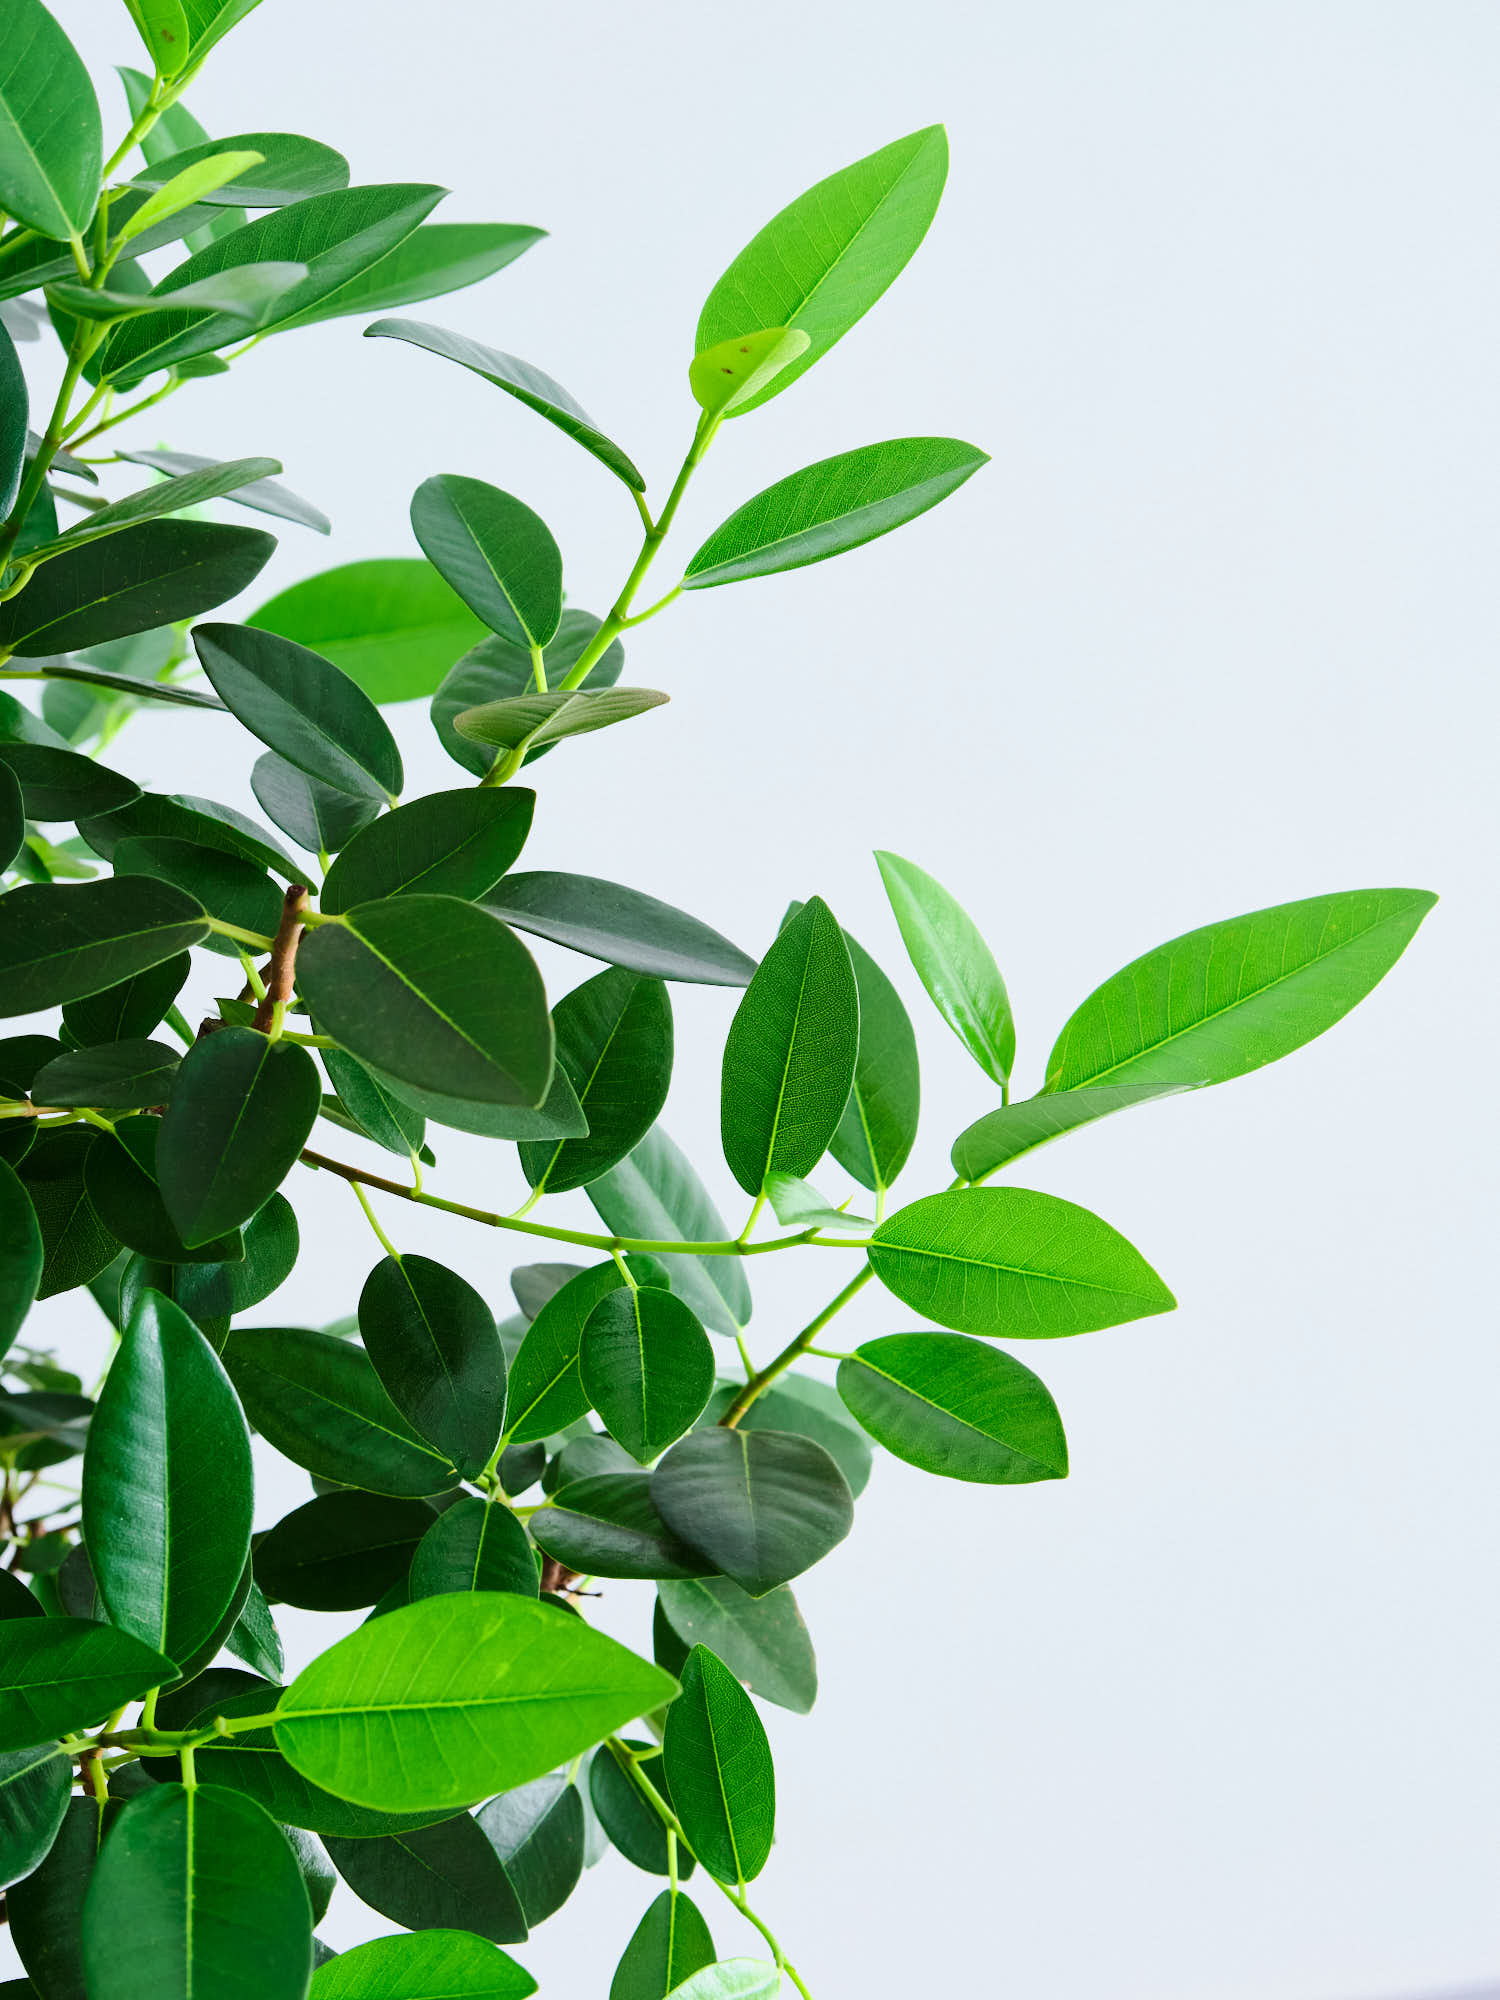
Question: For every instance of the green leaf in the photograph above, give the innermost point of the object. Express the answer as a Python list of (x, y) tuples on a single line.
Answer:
[(433, 1342), (1218, 1002), (546, 1392), (21, 1256), (336, 235), (621, 926), (500, 667), (291, 169), (12, 817), (1011, 1262), (810, 1408), (121, 1076), (59, 944), (558, 1117), (59, 784), (255, 1639), (538, 1833), (730, 374), (453, 1964), (435, 1879), (879, 1125), (46, 1910), (718, 1763), (837, 504), (732, 1979), (148, 575), (497, 554), (954, 963), (829, 255), (439, 257), (13, 413), (380, 1114), (764, 1505), (210, 1293), (656, 1195), (670, 1943), (318, 817), (303, 707), (798, 1204), (762, 1640), (956, 1407), (51, 143), (75, 1242), (199, 182), (318, 1400), (535, 720), (262, 496), (1003, 1135), (167, 1487), (632, 1823), (61, 1674), (607, 1524), (393, 626), (34, 1788), (647, 1367), (202, 821), (341, 1551), (193, 1875), (474, 1545), (164, 496), (230, 888), (519, 379), (789, 1057), (446, 844), (435, 992), (128, 1012), (614, 1041), (241, 1110), (453, 1698), (249, 295)]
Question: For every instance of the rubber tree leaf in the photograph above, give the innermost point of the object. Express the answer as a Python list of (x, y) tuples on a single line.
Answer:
[(155, 573), (655, 1194), (433, 1342), (765, 1505), (319, 817), (762, 1640), (614, 1041), (51, 141), (1014, 1263), (647, 1367), (13, 414), (34, 1788), (453, 1963), (21, 1255), (954, 963), (318, 1400), (437, 258), (953, 1406), (498, 555), (164, 496), (1004, 1134), (290, 169), (59, 944), (718, 1763), (435, 992), (393, 625), (621, 926), (241, 1110), (519, 379), (303, 707), (454, 1698), (474, 1545), (435, 1878), (341, 1550), (500, 667), (531, 721), (263, 496), (59, 784), (538, 1833), (729, 374), (190, 1871), (61, 1674), (46, 1909), (546, 1392), (829, 255), (446, 844), (790, 1054), (167, 1487), (669, 1944), (1221, 1001)]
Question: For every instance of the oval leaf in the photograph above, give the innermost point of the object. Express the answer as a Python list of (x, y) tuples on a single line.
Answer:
[(51, 143), (394, 626), (474, 1545), (614, 1043), (954, 963), (241, 1110), (762, 1640), (608, 1524), (58, 944), (447, 844), (497, 554), (61, 1674), (647, 1367), (655, 1194), (432, 1339), (455, 1964), (956, 1407), (765, 1505)]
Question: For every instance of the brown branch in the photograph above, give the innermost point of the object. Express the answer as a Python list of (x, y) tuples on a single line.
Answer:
[(281, 973)]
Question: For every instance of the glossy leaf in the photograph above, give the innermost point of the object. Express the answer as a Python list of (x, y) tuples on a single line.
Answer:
[(546, 1392), (519, 379), (228, 887), (13, 430), (59, 784), (501, 667), (810, 1408), (34, 1788), (433, 1342), (394, 626), (647, 1367), (474, 1545), (61, 1674), (262, 496), (203, 821), (120, 1175), (879, 1126), (762, 1640), (655, 1194), (790, 1054), (380, 1114), (719, 1765), (58, 944), (164, 496), (732, 1979), (341, 1550), (241, 1110), (1004, 1134), (621, 926), (211, 1293), (439, 257), (121, 1076), (608, 1524), (669, 1944), (632, 1823), (535, 720), (429, 1965), (436, 1877), (764, 1505), (46, 1910), (954, 963), (614, 1042), (1014, 1263), (319, 817), (731, 373), (76, 1245), (538, 1833), (200, 181), (21, 1255), (454, 1698), (447, 844), (51, 142), (829, 255), (291, 169), (956, 1407), (497, 554)]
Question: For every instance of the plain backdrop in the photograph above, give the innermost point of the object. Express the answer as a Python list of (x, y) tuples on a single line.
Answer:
[(1216, 286)]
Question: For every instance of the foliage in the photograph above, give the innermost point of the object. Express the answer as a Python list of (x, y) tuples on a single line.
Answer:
[(460, 1751)]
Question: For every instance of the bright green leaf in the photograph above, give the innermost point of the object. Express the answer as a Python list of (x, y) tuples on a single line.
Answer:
[(726, 376), (394, 626), (51, 142), (718, 1763), (647, 1367), (429, 1965), (956, 1407), (1004, 1134), (954, 963)]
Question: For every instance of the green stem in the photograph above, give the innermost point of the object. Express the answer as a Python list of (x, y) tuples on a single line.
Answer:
[(241, 936), (80, 347), (364, 1201), (794, 1349)]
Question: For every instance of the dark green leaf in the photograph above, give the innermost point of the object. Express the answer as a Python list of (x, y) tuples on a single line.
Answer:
[(810, 1408), (21, 1255), (241, 1110), (120, 1174), (60, 1674), (609, 1525), (34, 1788), (51, 144), (439, 257), (1004, 1134), (537, 1831), (559, 1116), (584, 1454), (211, 1293), (633, 1824), (954, 963), (163, 496), (546, 1393), (58, 943), (454, 1698), (13, 412), (442, 1877), (647, 1367), (433, 1342), (202, 821), (531, 721), (76, 1245), (291, 169), (614, 1041), (719, 1765), (500, 667), (879, 1124), (451, 1963), (394, 626), (318, 817), (59, 784), (12, 817), (16, 1601), (956, 1407), (67, 680), (341, 1551), (621, 926), (474, 1545), (226, 885), (261, 496), (42, 1427), (254, 1638), (378, 1112), (447, 844), (128, 1012), (498, 555), (656, 1195), (46, 1910), (670, 1943), (519, 379), (762, 1640), (763, 1505), (1012, 1262)]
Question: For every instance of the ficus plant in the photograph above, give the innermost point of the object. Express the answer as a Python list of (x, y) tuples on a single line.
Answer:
[(219, 999)]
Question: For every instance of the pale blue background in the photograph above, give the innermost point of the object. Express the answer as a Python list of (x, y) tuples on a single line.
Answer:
[(1216, 287)]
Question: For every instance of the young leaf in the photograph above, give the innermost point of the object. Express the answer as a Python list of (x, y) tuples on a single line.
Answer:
[(798, 1204), (1218, 1002), (837, 504), (534, 720), (303, 707), (614, 1041), (519, 379), (436, 1878), (647, 1367), (262, 496), (447, 844), (879, 1126), (655, 1194), (762, 1640), (51, 142), (1004, 1134), (241, 1110), (228, 886), (341, 1551), (319, 817), (1014, 1263), (474, 1545), (669, 1944), (729, 374), (732, 1979), (21, 1255), (621, 926), (546, 1393), (453, 1963), (789, 1057), (457, 1697), (192, 1874), (435, 992), (719, 1765), (200, 181), (538, 1833), (59, 784), (393, 626), (607, 1524), (61, 1674), (954, 1406), (829, 255), (34, 1788), (58, 944), (497, 554), (432, 1339), (291, 169), (765, 1505), (954, 963), (167, 1487), (501, 667)]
